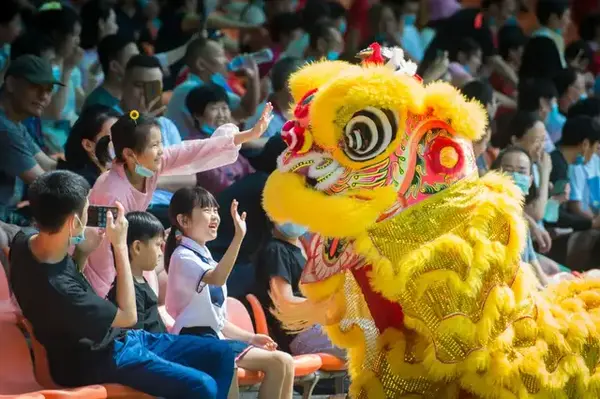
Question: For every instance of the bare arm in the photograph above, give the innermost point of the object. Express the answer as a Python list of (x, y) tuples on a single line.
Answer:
[(219, 275), (251, 98), (500, 66), (126, 312), (216, 21), (232, 331), (576, 208), (537, 207), (282, 289), (45, 162), (59, 99), (30, 175)]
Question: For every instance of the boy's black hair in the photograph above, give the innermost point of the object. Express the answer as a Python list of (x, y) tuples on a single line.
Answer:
[(313, 12), (532, 90), (56, 195), (143, 61), (587, 107), (510, 38), (320, 30), (564, 79), (91, 13), (478, 90), (578, 129), (143, 226), (110, 48), (546, 8), (129, 133), (30, 42)]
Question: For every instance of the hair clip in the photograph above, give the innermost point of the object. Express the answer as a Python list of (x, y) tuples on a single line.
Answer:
[(134, 115), (53, 5)]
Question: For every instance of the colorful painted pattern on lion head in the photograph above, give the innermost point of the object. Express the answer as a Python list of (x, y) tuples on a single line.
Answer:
[(365, 143)]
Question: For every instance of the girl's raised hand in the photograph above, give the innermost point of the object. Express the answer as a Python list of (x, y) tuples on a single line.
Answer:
[(239, 221), (263, 123)]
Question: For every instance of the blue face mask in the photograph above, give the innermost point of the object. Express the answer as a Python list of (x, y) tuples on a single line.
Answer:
[(467, 69), (333, 55), (583, 96), (342, 27), (555, 120), (291, 230), (207, 129), (580, 160), (143, 171), (522, 181), (81, 237), (410, 19), (552, 210)]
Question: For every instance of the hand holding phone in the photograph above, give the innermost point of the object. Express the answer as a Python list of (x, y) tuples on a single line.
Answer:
[(153, 96), (97, 215)]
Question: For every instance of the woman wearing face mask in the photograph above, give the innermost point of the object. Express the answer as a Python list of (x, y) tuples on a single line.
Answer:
[(209, 106), (516, 162), (80, 150), (279, 265), (140, 160), (465, 62)]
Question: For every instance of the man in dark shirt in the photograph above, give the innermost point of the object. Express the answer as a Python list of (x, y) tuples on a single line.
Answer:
[(474, 23), (26, 92), (83, 333)]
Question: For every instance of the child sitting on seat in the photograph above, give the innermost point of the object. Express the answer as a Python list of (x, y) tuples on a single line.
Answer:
[(196, 293), (145, 238)]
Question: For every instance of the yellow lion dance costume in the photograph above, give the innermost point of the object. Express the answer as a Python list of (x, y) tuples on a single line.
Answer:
[(414, 266)]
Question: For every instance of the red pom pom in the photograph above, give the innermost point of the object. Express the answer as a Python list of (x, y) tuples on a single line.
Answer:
[(445, 156)]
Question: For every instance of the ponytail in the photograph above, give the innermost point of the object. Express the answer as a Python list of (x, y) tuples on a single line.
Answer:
[(102, 150), (170, 246)]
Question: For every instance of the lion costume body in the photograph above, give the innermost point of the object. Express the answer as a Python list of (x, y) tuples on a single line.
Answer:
[(414, 266)]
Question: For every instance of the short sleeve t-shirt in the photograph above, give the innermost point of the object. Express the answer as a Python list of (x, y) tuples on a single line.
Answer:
[(101, 96), (191, 301), (278, 259), (68, 318), (585, 184), (17, 155), (147, 307)]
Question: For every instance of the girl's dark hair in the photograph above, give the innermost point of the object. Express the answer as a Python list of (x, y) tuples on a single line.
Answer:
[(57, 23), (183, 203), (143, 226), (564, 79), (497, 164), (87, 126), (478, 90), (126, 133), (466, 46), (93, 12), (519, 124)]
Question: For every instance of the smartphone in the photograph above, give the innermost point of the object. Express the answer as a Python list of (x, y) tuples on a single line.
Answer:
[(153, 90), (97, 215), (559, 187)]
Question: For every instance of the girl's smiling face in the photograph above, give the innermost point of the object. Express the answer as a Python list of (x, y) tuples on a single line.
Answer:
[(152, 154), (203, 225), (533, 140)]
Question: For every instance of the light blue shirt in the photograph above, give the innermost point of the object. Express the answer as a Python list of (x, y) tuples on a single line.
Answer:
[(585, 184), (412, 42), (178, 112)]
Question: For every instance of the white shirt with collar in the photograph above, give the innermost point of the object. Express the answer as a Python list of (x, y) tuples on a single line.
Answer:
[(189, 300)]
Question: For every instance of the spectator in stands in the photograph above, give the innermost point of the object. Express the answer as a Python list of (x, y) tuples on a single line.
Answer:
[(385, 27), (26, 92), (481, 91), (570, 88), (145, 239), (313, 13), (80, 151), (197, 289), (544, 54), (86, 340), (279, 265), (517, 162), (284, 29), (31, 43), (114, 52), (280, 98), (473, 23), (63, 26), (511, 42), (465, 62), (325, 42), (411, 39), (98, 20), (589, 30), (10, 28), (207, 63), (140, 160), (209, 106)]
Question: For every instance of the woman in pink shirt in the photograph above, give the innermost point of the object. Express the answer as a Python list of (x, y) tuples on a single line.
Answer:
[(140, 160)]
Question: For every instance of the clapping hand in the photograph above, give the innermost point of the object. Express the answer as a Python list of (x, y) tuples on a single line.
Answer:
[(239, 221)]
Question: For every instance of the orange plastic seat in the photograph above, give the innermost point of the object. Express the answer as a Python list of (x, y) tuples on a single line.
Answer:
[(332, 363), (260, 318), (42, 374)]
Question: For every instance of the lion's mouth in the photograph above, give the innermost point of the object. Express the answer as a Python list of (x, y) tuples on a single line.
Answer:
[(320, 171)]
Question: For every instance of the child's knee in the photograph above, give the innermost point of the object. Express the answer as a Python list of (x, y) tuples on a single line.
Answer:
[(281, 361)]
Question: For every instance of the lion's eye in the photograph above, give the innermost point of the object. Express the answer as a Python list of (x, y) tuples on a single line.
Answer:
[(369, 133)]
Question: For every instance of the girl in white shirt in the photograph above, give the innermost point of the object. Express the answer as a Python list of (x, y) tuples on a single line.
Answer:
[(196, 290)]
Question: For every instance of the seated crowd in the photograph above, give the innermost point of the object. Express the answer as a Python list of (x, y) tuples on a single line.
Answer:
[(163, 115)]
